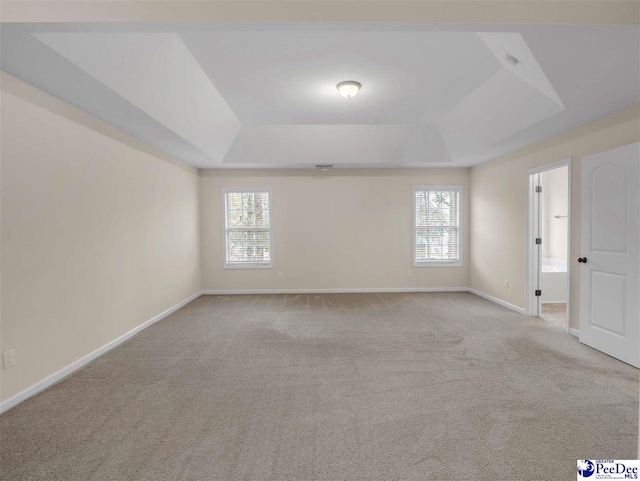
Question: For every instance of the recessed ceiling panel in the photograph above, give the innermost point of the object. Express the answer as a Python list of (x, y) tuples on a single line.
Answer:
[(290, 77), (158, 74), (56, 75), (513, 53), (502, 106), (424, 145)]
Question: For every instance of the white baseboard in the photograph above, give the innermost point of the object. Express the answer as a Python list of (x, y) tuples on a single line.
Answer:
[(74, 366), (574, 332), (519, 310), (222, 292), (217, 292)]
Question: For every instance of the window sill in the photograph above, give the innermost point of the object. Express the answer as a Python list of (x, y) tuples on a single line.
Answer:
[(437, 264), (247, 266)]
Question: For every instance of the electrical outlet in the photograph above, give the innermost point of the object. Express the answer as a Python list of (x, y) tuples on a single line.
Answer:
[(409, 272), (506, 284), (280, 274), (9, 358)]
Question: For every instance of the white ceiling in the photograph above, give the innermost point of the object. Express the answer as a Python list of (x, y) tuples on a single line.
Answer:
[(263, 94)]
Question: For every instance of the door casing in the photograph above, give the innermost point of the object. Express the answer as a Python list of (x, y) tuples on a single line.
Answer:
[(531, 270)]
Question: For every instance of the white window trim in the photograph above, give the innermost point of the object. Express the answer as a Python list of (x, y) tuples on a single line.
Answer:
[(255, 265), (452, 188)]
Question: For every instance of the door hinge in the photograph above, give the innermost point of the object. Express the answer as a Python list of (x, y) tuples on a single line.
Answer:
[(538, 188), (538, 292), (538, 241)]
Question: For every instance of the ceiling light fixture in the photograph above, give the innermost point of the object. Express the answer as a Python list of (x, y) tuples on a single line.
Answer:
[(349, 88)]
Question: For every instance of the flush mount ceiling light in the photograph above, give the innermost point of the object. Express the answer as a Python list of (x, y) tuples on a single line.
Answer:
[(349, 88)]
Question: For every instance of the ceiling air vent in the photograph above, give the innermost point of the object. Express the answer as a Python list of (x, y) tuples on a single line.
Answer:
[(324, 174)]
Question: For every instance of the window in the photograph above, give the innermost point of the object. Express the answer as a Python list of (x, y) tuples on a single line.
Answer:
[(247, 228), (436, 226)]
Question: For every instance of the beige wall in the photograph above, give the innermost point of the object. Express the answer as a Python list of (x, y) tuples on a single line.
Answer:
[(555, 189), (351, 231), (498, 199), (97, 229)]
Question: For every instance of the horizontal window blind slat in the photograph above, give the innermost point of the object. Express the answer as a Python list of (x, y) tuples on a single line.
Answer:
[(450, 226), (249, 229)]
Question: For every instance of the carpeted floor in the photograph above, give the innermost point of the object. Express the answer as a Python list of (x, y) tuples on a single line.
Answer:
[(443, 386)]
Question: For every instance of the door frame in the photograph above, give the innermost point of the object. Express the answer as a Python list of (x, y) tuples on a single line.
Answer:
[(531, 302)]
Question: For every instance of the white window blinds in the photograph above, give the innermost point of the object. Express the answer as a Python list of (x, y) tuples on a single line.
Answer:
[(248, 235), (436, 226)]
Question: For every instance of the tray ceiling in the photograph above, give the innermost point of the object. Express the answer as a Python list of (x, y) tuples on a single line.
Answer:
[(263, 95)]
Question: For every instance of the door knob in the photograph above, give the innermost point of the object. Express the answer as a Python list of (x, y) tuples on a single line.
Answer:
[(582, 260)]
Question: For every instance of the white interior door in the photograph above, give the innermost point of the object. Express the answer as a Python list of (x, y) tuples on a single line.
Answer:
[(610, 257)]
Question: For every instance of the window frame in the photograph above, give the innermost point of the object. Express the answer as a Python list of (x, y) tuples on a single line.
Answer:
[(438, 263), (244, 190)]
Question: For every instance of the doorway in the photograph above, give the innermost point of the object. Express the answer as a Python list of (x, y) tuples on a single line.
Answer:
[(548, 243)]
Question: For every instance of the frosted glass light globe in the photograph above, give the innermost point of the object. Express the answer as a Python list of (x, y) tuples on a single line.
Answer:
[(349, 88)]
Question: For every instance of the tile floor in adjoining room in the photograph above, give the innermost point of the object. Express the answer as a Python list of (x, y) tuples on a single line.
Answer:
[(555, 313)]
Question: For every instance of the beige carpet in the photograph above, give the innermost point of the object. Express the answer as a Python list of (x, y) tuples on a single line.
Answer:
[(444, 386)]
